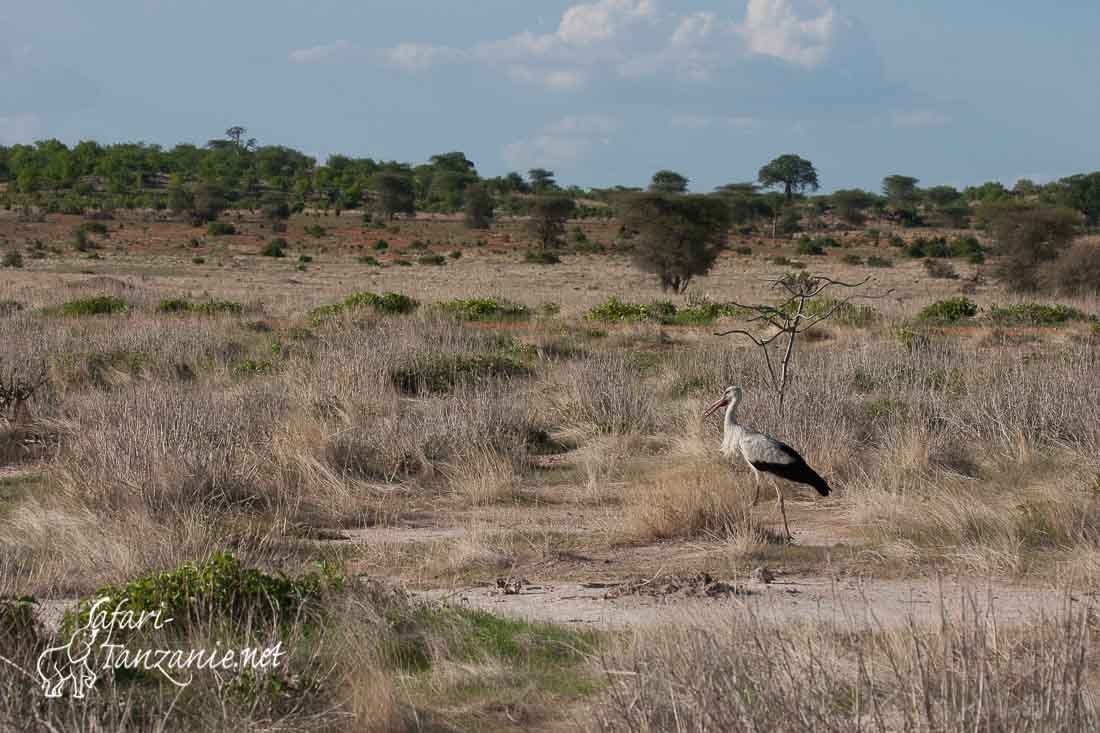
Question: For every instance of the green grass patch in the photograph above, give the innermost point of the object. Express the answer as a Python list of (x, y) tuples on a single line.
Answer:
[(211, 307), (275, 248), (218, 589), (876, 261), (485, 309), (542, 257), (951, 310), (662, 311), (386, 303), (442, 372), (1035, 314), (98, 305), (435, 260), (220, 229)]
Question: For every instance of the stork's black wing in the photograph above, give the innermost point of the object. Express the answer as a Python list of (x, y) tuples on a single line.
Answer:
[(794, 469)]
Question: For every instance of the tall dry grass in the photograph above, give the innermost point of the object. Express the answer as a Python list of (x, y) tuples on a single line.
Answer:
[(965, 674)]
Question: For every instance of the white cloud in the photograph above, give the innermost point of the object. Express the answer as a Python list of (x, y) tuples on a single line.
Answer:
[(919, 118), (418, 56), (773, 28), (555, 80), (561, 143), (582, 25), (323, 52), (693, 30), (20, 129)]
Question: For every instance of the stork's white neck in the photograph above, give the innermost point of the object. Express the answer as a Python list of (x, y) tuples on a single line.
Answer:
[(731, 433)]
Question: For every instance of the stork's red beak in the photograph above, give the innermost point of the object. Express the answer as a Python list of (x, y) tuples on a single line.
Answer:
[(716, 406)]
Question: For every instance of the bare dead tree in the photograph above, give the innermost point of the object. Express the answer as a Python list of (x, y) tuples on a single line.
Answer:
[(790, 319), (17, 387)]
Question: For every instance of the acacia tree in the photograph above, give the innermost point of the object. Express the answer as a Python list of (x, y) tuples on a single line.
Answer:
[(676, 237), (851, 203), (549, 215), (668, 182), (792, 317), (479, 207), (396, 194), (542, 180), (795, 174)]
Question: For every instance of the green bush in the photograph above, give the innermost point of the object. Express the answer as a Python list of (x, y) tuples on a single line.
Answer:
[(809, 247), (305, 259), (368, 260), (387, 303), (1035, 314), (402, 263), (743, 250), (218, 590), (662, 311), (456, 254), (432, 260), (485, 309), (542, 257), (219, 228), (211, 307), (94, 306), (381, 245), (198, 260), (876, 261), (851, 259), (951, 310), (315, 230), (275, 248), (12, 259), (442, 372)]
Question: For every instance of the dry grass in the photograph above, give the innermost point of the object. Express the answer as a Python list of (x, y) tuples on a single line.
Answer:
[(967, 448), (967, 674)]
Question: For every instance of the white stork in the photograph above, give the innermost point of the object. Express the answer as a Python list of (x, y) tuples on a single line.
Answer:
[(763, 453)]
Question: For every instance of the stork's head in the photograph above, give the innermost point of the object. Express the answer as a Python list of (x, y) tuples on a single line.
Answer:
[(730, 395)]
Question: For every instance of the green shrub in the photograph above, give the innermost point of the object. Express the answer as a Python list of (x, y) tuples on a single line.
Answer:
[(485, 309), (456, 254), (809, 247), (432, 260), (387, 303), (876, 261), (211, 307), (275, 248), (305, 259), (442, 372), (368, 260), (12, 259), (780, 260), (542, 257), (951, 310), (94, 306), (198, 260), (1035, 314), (662, 311), (743, 250), (219, 228), (315, 230), (851, 259), (402, 263), (251, 368), (218, 590), (967, 246), (381, 245)]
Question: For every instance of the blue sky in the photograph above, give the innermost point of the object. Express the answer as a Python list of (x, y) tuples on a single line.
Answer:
[(601, 91)]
